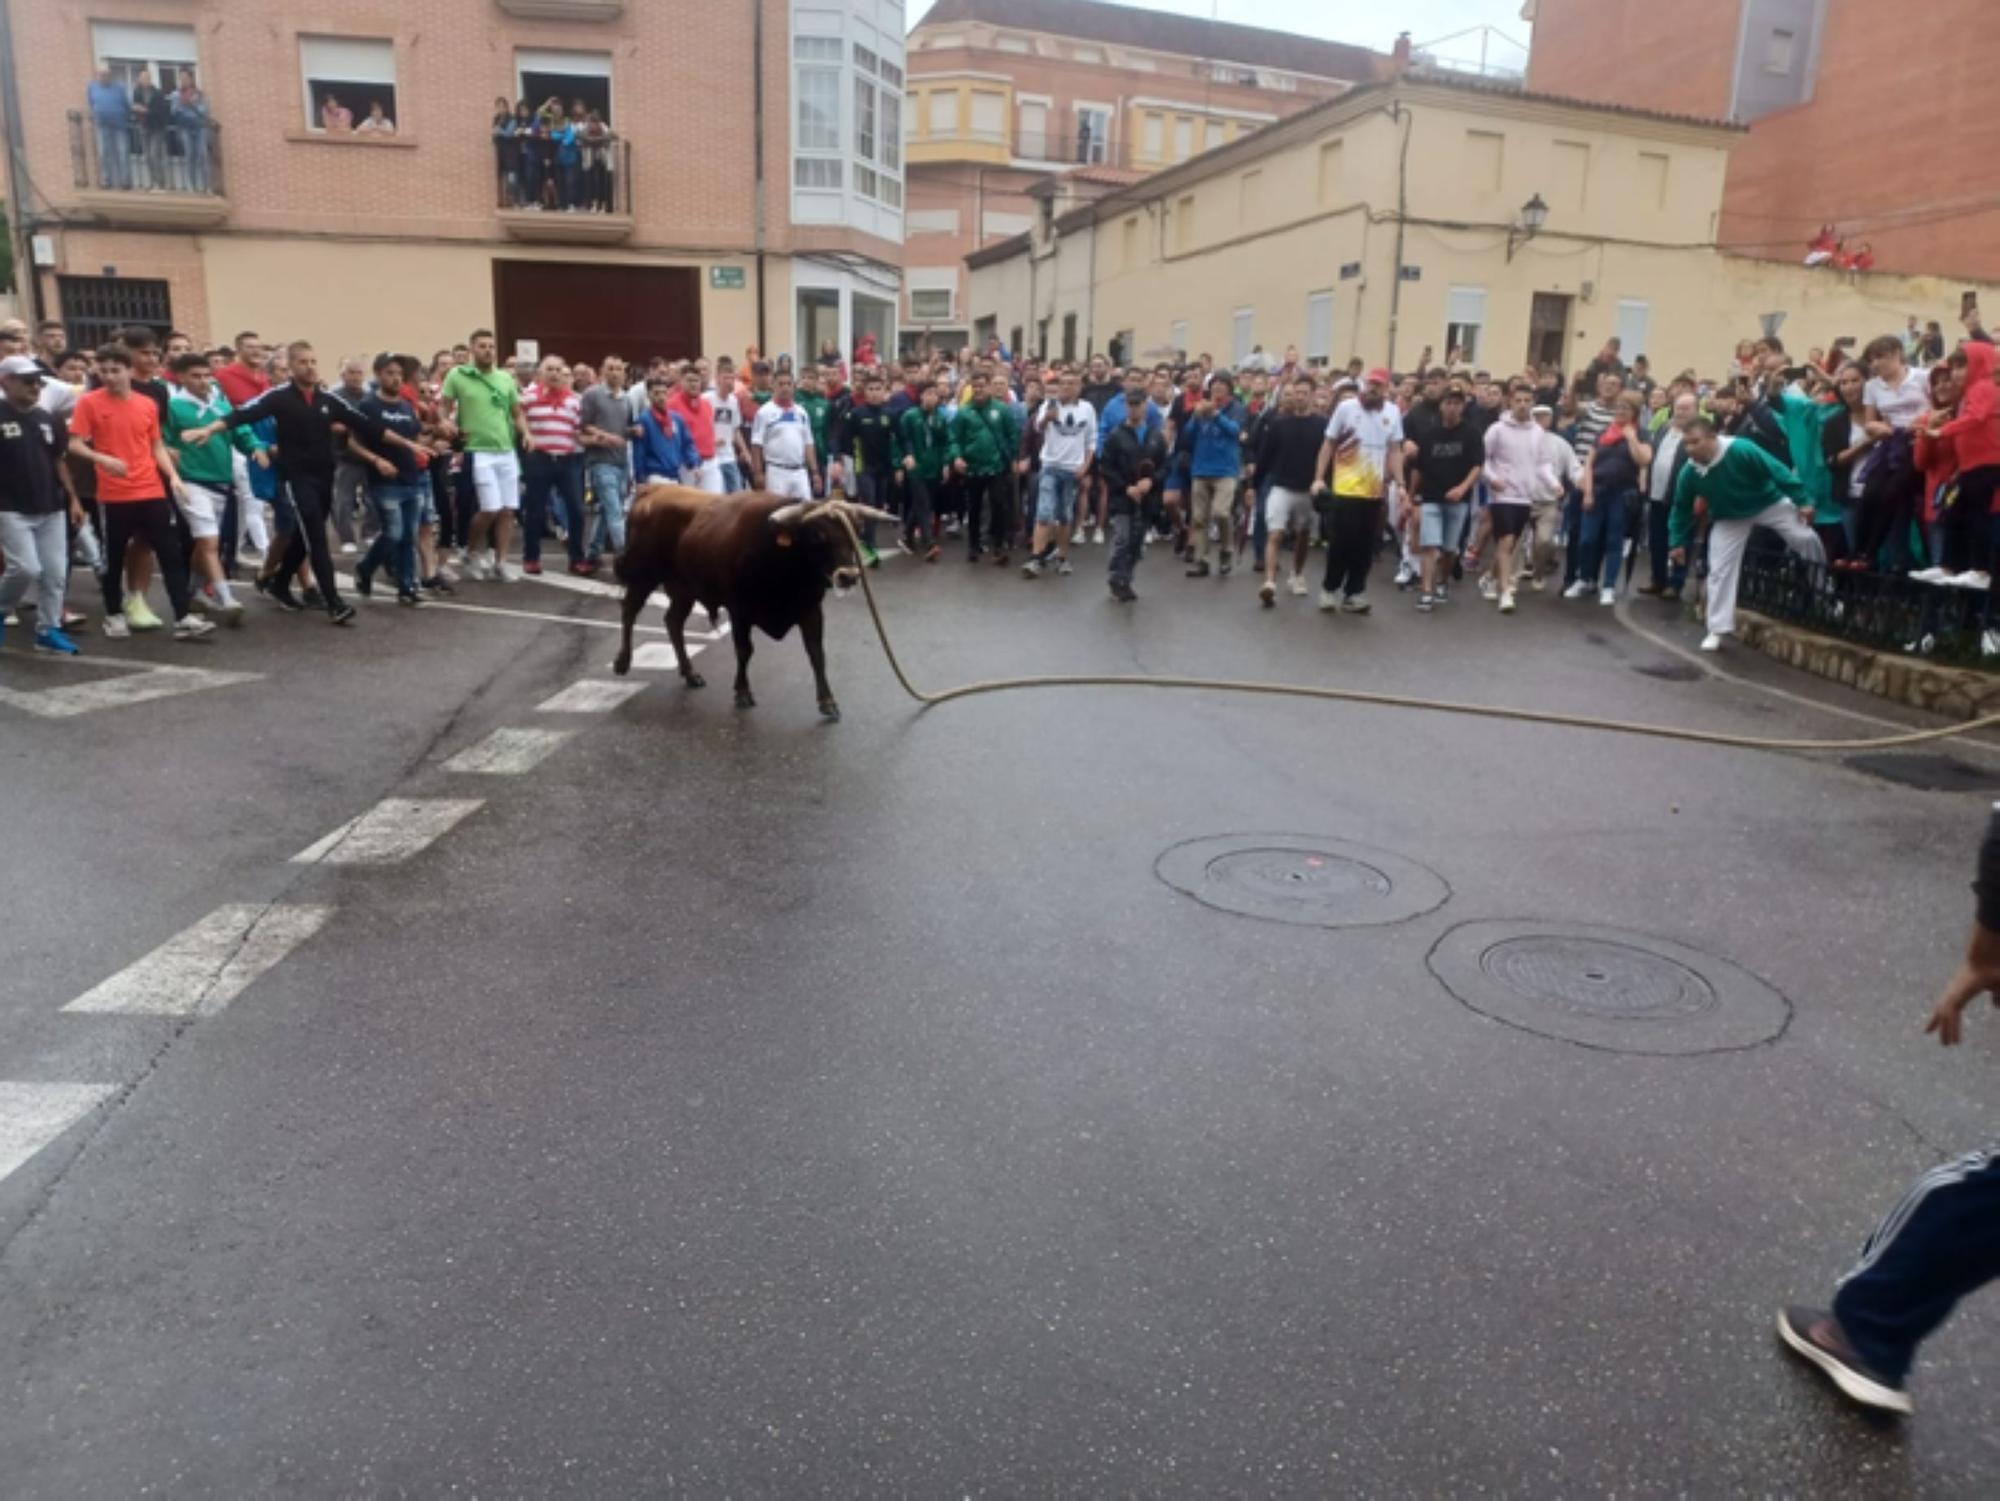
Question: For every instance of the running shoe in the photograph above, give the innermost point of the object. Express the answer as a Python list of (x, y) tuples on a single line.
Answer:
[(1507, 603), (1488, 588), (934, 554), (1097, 537), (507, 573), (1328, 600), (1576, 590), (870, 557), (1268, 593), (1298, 585), (55, 641), (1032, 569), (1607, 596), (1355, 604), (139, 616), (1063, 568), (1426, 604), (116, 628), (1815, 1335), (533, 568), (193, 628)]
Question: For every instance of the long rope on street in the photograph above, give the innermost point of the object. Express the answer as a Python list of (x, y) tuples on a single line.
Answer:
[(1391, 700)]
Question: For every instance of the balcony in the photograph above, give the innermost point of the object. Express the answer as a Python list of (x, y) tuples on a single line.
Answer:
[(169, 179), (540, 201), (564, 10)]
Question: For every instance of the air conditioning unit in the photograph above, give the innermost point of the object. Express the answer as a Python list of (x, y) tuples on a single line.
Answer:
[(1589, 291)]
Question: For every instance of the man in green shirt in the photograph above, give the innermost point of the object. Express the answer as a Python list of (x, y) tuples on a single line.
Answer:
[(986, 439), (480, 402), (1743, 488), (208, 471), (924, 455)]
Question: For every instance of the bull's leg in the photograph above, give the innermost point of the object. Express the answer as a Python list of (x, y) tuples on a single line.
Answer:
[(636, 590), (677, 614), (810, 629), (740, 631)]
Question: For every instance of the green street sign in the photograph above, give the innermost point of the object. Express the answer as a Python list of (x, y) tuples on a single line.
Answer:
[(725, 278)]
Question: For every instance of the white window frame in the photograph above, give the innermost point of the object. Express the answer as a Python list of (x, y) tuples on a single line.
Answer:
[(1212, 137), (1025, 147), (918, 315), (1183, 138), (1465, 310), (932, 100), (1153, 135), (1109, 114), (1242, 334), (1177, 335), (1634, 313), (1319, 309), (362, 64)]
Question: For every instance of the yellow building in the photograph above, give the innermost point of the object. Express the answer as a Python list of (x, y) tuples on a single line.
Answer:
[(1428, 212)]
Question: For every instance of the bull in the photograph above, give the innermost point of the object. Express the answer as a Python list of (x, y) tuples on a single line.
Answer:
[(764, 562)]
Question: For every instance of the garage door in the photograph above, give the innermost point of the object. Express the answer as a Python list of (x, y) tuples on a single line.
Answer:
[(585, 310)]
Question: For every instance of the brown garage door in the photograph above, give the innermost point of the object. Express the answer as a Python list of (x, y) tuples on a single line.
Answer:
[(586, 310)]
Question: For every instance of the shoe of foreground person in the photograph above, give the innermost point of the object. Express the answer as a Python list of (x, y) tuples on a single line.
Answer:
[(47, 639), (1328, 600), (1607, 596), (1298, 585), (1576, 590), (193, 628), (506, 573), (1268, 593), (1711, 642), (1356, 604), (116, 628), (1507, 603), (1814, 1335), (139, 616)]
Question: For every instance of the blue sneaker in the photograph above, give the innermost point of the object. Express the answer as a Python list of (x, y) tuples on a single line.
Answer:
[(50, 639)]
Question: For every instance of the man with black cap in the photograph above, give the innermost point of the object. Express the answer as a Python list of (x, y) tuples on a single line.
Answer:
[(37, 503)]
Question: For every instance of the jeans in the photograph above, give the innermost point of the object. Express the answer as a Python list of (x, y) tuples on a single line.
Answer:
[(732, 477), (560, 474), (570, 175), (873, 487), (37, 552), (1572, 537), (196, 144), (609, 485), (1353, 528), (1055, 500), (1128, 543), (918, 516), (1603, 550), (155, 143), (114, 154), (398, 505), (1888, 499)]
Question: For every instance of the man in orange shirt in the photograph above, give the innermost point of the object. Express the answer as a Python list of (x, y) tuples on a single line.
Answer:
[(119, 432)]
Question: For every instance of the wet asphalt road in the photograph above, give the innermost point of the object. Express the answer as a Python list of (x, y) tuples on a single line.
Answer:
[(742, 1104)]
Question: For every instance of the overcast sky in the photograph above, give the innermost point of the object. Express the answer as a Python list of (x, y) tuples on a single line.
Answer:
[(1369, 23)]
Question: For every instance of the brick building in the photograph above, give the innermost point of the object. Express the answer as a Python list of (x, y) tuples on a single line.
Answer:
[(1004, 92), (1875, 118), (752, 193)]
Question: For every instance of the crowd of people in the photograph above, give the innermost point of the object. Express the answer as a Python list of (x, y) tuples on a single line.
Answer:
[(149, 459), (554, 158), (154, 137)]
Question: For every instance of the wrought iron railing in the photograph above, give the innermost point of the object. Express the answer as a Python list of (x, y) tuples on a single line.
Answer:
[(530, 176), (1883, 612), (129, 158)]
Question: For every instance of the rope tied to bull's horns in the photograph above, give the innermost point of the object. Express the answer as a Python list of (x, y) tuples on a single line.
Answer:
[(1388, 700)]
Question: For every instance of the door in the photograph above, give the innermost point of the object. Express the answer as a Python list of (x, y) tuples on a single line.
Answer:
[(586, 310), (1548, 329)]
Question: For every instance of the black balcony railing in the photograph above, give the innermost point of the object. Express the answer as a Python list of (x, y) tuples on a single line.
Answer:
[(532, 176), (130, 158), (1881, 611)]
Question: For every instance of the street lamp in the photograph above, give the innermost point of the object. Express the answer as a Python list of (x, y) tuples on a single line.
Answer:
[(1534, 215)]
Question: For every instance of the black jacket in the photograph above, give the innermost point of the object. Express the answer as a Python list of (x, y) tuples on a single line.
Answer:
[(1127, 459), (307, 444)]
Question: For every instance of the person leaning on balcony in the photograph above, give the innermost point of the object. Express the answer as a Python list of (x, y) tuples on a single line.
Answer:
[(377, 123), (506, 153), (191, 124), (336, 118), (152, 111), (111, 118)]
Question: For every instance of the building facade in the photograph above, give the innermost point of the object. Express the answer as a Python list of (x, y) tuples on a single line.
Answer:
[(1005, 92), (1314, 233), (1874, 118), (745, 187)]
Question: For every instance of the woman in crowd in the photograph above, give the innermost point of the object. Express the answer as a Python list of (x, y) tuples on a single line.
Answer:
[(1610, 487), (1845, 442), (191, 126)]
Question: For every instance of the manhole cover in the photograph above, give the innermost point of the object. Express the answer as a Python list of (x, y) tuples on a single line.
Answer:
[(1930, 773), (1304, 879), (1607, 989)]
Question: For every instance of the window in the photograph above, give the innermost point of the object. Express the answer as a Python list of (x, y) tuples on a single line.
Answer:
[(1093, 134), (1485, 155), (892, 131), (1152, 136), (1011, 44), (1465, 322), (1211, 134), (1128, 237), (1319, 326), (866, 61), (1781, 52), (989, 115), (353, 73), (1032, 139), (96, 307), (1652, 181), (1013, 340), (1184, 223), (866, 182), (1183, 138), (126, 47), (1777, 56), (567, 76), (892, 75), (932, 221), (1069, 336), (1092, 55), (1635, 321), (819, 109), (818, 49), (892, 193), (931, 304), (1242, 333), (1177, 335), (816, 172), (864, 118), (1570, 174), (944, 112), (1329, 173), (1042, 339)]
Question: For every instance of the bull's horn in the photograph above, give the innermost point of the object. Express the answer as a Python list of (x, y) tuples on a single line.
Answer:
[(867, 513), (789, 516)]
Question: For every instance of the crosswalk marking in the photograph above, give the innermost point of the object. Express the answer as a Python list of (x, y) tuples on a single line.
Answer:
[(509, 752), (658, 599), (391, 831), (658, 656), (201, 970), (589, 696), (33, 1115), (139, 686)]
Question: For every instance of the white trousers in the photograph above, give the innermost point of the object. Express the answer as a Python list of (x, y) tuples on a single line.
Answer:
[(250, 526), (792, 484), (1726, 541), (708, 478)]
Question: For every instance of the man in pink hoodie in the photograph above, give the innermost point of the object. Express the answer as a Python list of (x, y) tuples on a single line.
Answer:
[(1518, 468)]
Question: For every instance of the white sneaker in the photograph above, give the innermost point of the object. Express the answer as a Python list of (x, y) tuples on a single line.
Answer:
[(1607, 596), (1328, 600), (193, 628), (1355, 604), (1989, 643), (1711, 642), (1298, 585), (116, 628), (1507, 603), (1576, 590), (1972, 578), (1097, 536), (477, 569), (1487, 588), (348, 549), (507, 573), (1929, 575), (1537, 583)]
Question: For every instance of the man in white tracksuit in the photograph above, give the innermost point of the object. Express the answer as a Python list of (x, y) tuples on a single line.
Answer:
[(781, 442)]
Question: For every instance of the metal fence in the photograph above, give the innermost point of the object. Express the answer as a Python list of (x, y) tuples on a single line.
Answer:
[(131, 159), (1883, 612), (531, 177)]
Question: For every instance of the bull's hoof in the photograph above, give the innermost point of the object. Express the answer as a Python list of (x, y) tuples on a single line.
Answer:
[(694, 680), (622, 664), (745, 699), (828, 709)]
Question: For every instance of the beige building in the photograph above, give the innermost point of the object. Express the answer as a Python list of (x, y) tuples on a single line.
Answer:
[(350, 189), (1004, 92), (1398, 218)]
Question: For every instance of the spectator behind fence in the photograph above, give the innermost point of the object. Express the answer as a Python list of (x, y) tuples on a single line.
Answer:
[(111, 119), (152, 112), (191, 127)]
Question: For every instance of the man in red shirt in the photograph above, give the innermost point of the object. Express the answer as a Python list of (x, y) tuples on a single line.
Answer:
[(685, 402), (119, 432)]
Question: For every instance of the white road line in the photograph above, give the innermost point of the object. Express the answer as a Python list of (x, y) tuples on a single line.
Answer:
[(391, 831), (658, 656), (457, 603), (509, 753), (589, 696), (33, 1115), (201, 970), (601, 590), (137, 687)]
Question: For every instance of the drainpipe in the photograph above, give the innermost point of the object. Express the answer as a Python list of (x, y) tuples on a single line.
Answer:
[(1090, 295), (26, 276), (1397, 111), (757, 158)]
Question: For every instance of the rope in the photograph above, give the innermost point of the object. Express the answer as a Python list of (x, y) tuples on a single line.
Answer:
[(1390, 700)]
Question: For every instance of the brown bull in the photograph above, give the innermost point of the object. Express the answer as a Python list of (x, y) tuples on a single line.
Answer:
[(765, 562)]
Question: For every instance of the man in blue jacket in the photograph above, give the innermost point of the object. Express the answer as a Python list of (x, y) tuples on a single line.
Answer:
[(662, 446), (111, 115), (1216, 443)]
